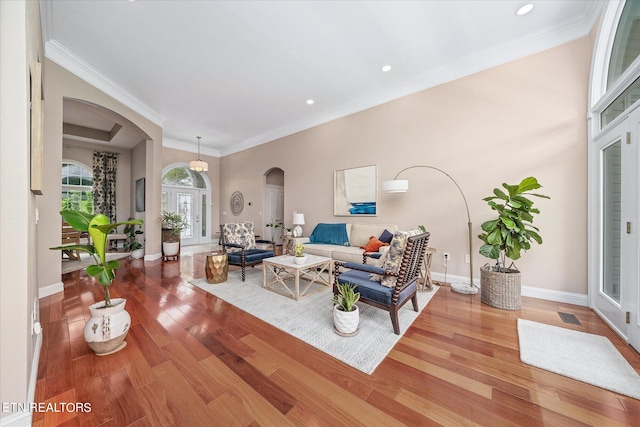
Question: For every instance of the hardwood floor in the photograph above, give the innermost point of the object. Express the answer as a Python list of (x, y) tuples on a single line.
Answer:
[(193, 359)]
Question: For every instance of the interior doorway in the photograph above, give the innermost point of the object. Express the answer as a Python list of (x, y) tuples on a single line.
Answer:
[(274, 204)]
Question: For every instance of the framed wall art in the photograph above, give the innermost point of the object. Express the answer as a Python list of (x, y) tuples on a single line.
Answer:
[(355, 191), (37, 153)]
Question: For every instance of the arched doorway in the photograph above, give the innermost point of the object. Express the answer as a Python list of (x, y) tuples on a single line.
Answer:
[(614, 127), (188, 193)]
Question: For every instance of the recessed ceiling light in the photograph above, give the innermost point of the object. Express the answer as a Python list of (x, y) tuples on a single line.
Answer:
[(310, 101), (525, 9), (386, 68)]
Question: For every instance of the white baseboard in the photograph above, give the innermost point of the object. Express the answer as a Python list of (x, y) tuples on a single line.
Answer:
[(17, 419), (24, 419), (527, 291), (48, 290), (558, 296), (152, 257)]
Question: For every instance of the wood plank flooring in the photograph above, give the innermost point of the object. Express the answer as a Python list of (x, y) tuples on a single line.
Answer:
[(193, 360)]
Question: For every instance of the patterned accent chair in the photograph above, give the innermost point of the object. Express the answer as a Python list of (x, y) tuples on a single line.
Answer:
[(238, 241), (392, 281)]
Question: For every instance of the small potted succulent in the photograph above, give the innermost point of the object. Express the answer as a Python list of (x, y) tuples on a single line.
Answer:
[(345, 311), (300, 257)]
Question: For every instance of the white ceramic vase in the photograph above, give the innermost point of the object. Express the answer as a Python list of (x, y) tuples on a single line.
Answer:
[(108, 326), (137, 254), (300, 259), (346, 322), (170, 248)]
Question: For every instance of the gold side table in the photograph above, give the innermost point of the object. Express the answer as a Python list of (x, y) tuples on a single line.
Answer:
[(216, 267)]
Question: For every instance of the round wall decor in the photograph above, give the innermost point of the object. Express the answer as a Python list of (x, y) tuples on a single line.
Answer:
[(237, 203)]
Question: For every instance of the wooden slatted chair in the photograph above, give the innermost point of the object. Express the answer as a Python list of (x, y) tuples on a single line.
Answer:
[(70, 236), (398, 276)]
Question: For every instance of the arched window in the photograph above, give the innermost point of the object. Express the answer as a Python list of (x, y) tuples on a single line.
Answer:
[(624, 54), (77, 187), (183, 177), (626, 45)]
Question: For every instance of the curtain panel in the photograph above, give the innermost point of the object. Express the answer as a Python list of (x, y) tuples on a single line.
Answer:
[(105, 165)]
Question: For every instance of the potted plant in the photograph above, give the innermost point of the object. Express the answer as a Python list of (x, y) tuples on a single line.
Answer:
[(300, 257), (506, 237), (132, 244), (345, 311), (274, 227), (172, 225), (103, 337)]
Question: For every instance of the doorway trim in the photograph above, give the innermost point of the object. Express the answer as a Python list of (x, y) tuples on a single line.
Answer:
[(626, 123), (206, 190)]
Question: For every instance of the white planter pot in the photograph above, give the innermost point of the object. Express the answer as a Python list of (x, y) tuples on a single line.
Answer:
[(170, 248), (137, 254), (300, 259), (346, 322), (108, 326)]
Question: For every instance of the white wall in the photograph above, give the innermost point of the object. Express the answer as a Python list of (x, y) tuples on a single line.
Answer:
[(20, 45), (60, 84), (523, 118)]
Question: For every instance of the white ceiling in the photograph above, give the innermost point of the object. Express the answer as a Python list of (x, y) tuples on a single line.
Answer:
[(238, 73)]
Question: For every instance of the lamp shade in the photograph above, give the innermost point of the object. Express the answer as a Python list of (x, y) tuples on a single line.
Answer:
[(298, 219), (395, 186), (198, 166)]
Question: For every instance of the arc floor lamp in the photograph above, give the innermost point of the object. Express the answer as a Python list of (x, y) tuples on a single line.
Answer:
[(402, 186)]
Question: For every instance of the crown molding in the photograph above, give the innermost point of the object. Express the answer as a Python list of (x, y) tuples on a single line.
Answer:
[(477, 63), (62, 56), (189, 147), (509, 52)]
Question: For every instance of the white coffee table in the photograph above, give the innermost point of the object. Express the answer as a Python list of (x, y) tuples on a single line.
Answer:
[(283, 268)]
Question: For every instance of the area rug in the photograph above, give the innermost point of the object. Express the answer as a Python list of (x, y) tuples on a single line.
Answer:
[(589, 358), (311, 318)]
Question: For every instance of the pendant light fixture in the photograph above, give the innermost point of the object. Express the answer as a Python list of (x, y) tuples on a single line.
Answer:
[(198, 165)]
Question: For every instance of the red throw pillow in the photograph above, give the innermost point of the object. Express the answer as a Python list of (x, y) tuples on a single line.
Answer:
[(373, 245)]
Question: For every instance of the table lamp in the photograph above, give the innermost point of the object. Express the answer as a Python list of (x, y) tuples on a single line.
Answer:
[(298, 220)]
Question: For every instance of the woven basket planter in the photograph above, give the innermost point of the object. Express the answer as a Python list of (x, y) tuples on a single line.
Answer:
[(500, 290)]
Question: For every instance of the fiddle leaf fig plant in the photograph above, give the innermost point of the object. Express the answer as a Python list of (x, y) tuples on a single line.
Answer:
[(98, 227), (512, 232)]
